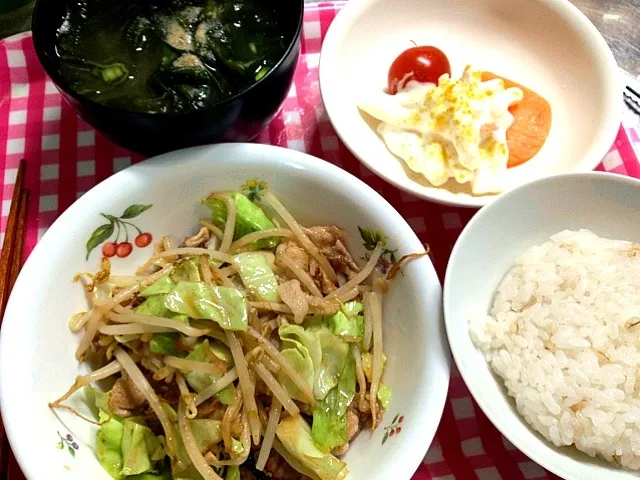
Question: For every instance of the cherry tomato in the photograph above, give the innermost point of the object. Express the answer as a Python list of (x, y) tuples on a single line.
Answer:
[(124, 249), (109, 249), (423, 64), (143, 240)]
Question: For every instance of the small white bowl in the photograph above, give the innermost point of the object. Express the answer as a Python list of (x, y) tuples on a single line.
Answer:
[(37, 362), (546, 45), (604, 203)]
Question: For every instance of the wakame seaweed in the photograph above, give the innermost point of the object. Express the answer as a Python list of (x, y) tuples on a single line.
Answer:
[(161, 56)]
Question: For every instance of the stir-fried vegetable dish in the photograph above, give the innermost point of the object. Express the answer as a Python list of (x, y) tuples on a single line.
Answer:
[(252, 349)]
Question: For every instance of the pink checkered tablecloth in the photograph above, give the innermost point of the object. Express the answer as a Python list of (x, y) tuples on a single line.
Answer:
[(66, 157)]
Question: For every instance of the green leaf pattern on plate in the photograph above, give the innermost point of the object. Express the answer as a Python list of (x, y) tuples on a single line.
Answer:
[(133, 211), (99, 235)]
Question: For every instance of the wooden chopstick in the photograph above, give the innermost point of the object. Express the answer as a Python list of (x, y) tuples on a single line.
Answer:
[(21, 232), (10, 262), (12, 247)]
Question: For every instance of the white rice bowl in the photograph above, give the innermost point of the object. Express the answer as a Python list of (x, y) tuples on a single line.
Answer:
[(564, 335)]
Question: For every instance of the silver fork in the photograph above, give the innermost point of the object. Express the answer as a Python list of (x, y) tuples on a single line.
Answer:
[(632, 99)]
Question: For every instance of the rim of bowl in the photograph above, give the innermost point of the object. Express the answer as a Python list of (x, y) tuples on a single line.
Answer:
[(294, 160), (482, 402), (350, 13), (60, 83)]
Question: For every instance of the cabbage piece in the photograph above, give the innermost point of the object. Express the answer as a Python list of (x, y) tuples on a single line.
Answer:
[(329, 429), (141, 449), (384, 395), (367, 364), (206, 432), (301, 452), (348, 322), (295, 336), (233, 473), (126, 448), (334, 356), (96, 399), (300, 360), (293, 461), (155, 306), (249, 218), (221, 351), (109, 435), (226, 306), (257, 276), (200, 381), (352, 308), (166, 344), (302, 350), (108, 444), (163, 285), (316, 353), (183, 469), (187, 271)]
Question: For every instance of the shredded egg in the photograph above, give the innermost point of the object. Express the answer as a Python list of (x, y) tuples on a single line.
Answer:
[(456, 129)]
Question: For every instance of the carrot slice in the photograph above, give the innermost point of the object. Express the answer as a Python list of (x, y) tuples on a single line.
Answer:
[(531, 124)]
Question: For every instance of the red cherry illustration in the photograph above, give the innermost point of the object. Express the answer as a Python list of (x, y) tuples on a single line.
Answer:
[(124, 249), (143, 239), (401, 419), (398, 430), (109, 249), (391, 433)]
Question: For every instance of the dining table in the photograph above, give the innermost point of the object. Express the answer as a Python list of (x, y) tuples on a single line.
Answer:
[(66, 157), (617, 21)]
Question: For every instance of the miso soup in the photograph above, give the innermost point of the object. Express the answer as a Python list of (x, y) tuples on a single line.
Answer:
[(161, 56)]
